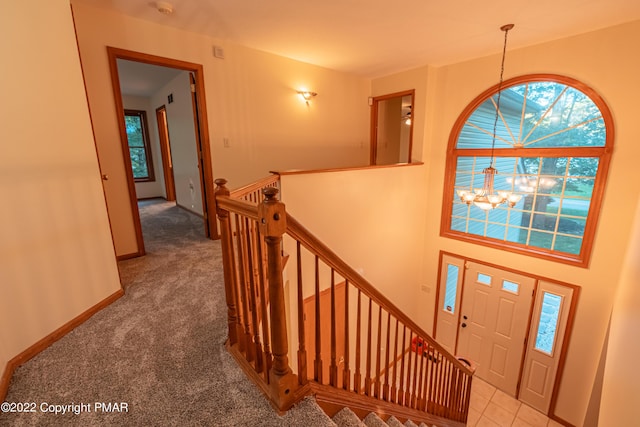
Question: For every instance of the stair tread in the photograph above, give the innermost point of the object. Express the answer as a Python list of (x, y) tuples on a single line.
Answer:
[(347, 418), (394, 422), (372, 420)]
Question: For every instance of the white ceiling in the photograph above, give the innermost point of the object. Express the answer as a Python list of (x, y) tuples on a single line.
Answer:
[(378, 37), (139, 79)]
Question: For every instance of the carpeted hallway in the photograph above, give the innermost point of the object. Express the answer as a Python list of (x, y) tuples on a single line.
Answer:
[(159, 349)]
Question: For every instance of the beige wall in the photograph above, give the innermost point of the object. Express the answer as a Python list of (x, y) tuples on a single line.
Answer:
[(251, 101), (372, 218), (602, 60), (182, 138), (619, 406), (56, 255), (150, 188)]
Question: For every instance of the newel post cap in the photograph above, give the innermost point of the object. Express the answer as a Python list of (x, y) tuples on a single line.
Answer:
[(272, 214)]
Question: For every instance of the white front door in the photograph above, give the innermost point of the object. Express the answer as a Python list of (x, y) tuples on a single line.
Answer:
[(496, 307)]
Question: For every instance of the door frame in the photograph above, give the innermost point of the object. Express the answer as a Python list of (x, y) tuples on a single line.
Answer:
[(373, 139), (165, 153), (568, 327), (208, 202)]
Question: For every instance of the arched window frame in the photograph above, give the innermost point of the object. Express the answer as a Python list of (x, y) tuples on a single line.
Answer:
[(603, 153)]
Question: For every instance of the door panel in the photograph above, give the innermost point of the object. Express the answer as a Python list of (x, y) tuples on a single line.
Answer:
[(495, 312), (547, 334)]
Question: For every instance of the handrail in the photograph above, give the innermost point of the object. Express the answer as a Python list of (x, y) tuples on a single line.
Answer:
[(317, 247), (240, 207), (253, 191), (415, 374)]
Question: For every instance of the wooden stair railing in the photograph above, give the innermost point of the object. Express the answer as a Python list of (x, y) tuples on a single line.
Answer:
[(354, 346)]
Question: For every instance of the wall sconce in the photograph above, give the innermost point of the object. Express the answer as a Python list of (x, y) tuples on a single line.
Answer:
[(307, 95)]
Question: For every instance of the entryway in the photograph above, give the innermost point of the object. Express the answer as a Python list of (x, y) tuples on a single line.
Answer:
[(511, 324)]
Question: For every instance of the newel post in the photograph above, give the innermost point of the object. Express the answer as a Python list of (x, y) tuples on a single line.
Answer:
[(273, 224), (227, 262)]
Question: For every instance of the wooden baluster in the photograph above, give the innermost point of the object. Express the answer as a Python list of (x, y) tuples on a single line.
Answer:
[(253, 281), (376, 384), (440, 378), (403, 350), (418, 390), (333, 367), (410, 353), (454, 393), (467, 397), (346, 373), (302, 350), (248, 277), (416, 357), (228, 262), (264, 310), (317, 364), (447, 388), (357, 380), (432, 382), (385, 388), (394, 388), (273, 216), (367, 378), (242, 274)]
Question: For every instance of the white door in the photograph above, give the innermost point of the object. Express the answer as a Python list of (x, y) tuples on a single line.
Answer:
[(496, 306)]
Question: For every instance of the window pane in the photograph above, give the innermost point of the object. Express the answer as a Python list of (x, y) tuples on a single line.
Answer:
[(568, 244), (485, 279), (548, 324), (451, 288), (138, 142), (510, 286), (133, 125), (139, 162)]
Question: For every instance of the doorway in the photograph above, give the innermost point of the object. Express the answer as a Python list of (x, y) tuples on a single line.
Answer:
[(198, 184), (392, 128), (513, 325), (165, 153)]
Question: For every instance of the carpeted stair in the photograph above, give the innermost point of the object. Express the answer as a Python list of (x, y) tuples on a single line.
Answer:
[(347, 418)]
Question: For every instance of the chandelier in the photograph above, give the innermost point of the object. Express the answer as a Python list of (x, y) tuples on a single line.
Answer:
[(485, 198)]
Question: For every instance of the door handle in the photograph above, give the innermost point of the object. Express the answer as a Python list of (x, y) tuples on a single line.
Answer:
[(105, 177), (464, 325)]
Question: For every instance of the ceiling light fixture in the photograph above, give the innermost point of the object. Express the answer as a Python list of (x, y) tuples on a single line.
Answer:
[(484, 197), (164, 7)]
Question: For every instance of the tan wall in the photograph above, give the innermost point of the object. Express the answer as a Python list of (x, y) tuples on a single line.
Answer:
[(182, 138), (619, 406), (602, 60), (56, 255), (251, 101), (372, 218)]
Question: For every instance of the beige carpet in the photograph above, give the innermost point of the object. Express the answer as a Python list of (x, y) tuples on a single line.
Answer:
[(158, 349)]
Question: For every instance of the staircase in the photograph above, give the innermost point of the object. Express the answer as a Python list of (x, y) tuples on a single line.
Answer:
[(288, 294), (347, 418)]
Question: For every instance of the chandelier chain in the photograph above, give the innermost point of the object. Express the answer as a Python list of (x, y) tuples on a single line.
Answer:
[(506, 29)]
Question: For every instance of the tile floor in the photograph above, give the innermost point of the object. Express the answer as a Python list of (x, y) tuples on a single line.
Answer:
[(490, 407)]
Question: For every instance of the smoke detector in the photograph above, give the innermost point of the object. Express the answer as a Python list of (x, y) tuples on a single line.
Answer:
[(164, 7)]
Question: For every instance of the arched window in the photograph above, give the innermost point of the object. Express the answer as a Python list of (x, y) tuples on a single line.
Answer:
[(553, 144)]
